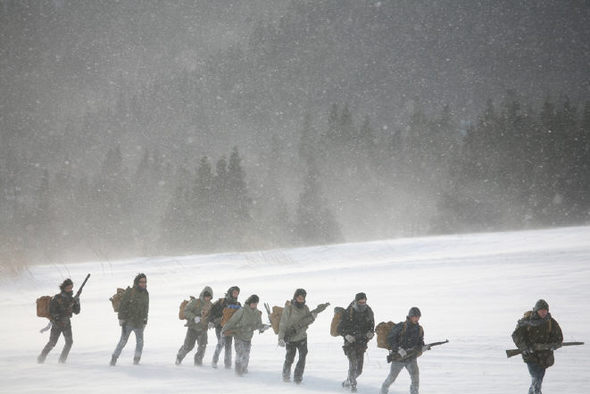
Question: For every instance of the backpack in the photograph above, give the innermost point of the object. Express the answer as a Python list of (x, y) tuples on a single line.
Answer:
[(275, 316), (383, 329), (338, 312), (116, 299), (183, 305), (228, 312), (43, 306)]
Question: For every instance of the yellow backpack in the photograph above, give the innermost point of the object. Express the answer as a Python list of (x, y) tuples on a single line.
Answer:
[(338, 312), (383, 329)]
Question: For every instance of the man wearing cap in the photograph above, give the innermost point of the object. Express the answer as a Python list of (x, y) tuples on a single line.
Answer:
[(60, 310), (358, 328), (294, 313), (404, 338), (537, 327), (241, 326), (196, 314)]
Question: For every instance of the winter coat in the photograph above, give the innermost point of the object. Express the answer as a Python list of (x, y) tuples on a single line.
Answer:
[(289, 318), (216, 313), (198, 307), (530, 330), (61, 307), (357, 323), (243, 323), (407, 336), (134, 306)]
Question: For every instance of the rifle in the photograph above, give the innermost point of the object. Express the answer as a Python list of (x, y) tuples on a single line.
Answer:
[(268, 312), (414, 352), (538, 347), (81, 287), (305, 321)]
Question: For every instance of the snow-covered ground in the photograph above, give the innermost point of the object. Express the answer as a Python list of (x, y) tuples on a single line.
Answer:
[(471, 290)]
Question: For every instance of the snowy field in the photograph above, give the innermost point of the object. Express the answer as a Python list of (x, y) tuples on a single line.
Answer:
[(471, 290)]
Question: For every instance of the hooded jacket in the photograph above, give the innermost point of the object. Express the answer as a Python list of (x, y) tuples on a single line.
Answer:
[(357, 321), (135, 305), (61, 307), (292, 314), (201, 308), (406, 335)]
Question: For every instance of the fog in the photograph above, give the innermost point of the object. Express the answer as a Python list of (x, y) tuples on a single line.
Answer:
[(171, 127)]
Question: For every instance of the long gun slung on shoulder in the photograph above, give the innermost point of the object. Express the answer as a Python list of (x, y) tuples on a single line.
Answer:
[(538, 347), (82, 286)]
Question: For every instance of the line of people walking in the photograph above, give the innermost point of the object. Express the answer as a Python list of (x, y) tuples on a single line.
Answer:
[(235, 323)]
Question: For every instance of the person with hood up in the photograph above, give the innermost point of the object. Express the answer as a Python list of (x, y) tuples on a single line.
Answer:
[(133, 316), (241, 326), (537, 327), (404, 338), (358, 328), (61, 308), (230, 301), (196, 313)]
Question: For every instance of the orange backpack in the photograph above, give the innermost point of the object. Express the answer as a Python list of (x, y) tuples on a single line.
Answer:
[(43, 306)]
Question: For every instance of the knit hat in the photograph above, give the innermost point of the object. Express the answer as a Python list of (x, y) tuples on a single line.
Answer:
[(360, 296), (541, 304), (66, 283), (300, 292), (253, 299), (414, 311)]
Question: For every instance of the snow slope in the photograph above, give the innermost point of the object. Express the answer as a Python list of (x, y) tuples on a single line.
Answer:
[(471, 289)]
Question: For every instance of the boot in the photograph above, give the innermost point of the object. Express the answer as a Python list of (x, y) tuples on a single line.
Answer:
[(41, 358), (178, 361), (135, 360), (113, 361)]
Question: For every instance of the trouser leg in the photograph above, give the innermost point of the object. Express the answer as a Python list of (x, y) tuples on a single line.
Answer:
[(188, 345), (67, 332), (125, 332), (537, 374), (394, 371), (227, 356), (242, 355), (414, 371), (220, 344), (138, 344), (202, 346), (300, 367), (291, 349), (53, 337), (354, 364)]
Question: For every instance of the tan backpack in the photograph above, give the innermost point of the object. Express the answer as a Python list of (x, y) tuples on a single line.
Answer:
[(338, 312), (383, 329), (275, 316), (116, 299), (227, 314), (43, 306), (181, 307)]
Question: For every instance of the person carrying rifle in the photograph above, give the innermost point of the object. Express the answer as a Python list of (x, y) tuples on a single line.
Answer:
[(133, 315), (358, 328), (295, 319), (537, 327), (407, 344), (60, 310), (196, 313)]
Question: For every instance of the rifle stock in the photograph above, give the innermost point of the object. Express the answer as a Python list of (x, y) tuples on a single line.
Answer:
[(541, 347), (82, 286)]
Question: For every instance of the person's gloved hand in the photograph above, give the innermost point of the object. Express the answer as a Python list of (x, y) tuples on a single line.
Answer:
[(370, 335), (349, 338), (402, 352), (425, 348), (211, 325), (121, 322), (264, 328), (528, 351), (197, 319), (282, 343)]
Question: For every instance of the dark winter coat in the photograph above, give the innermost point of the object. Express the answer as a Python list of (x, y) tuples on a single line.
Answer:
[(198, 307), (216, 313), (134, 306), (407, 336), (358, 323), (61, 307), (530, 330)]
